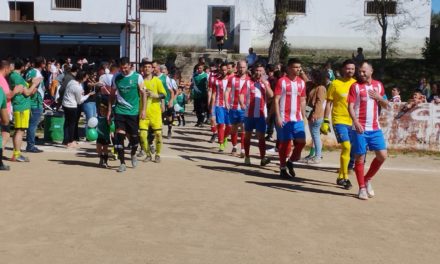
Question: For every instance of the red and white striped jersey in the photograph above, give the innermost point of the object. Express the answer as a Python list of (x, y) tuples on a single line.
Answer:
[(220, 90), (366, 108), (291, 92), (235, 83), (211, 79), (255, 99)]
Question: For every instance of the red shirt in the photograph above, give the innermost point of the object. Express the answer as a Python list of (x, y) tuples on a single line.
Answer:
[(220, 89), (291, 92), (255, 98), (219, 29), (235, 83), (366, 108)]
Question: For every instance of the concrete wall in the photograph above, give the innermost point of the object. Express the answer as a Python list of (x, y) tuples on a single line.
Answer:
[(335, 24), (341, 24), (100, 11), (417, 129)]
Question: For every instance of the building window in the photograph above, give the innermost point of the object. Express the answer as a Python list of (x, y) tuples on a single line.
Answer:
[(66, 4), (296, 6), (157, 5), (21, 11), (379, 7)]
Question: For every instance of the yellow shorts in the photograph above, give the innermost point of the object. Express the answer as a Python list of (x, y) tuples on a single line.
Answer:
[(21, 119), (155, 124)]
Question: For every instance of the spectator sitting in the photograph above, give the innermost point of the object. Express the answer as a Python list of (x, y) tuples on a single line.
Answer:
[(435, 94), (395, 92), (424, 87), (417, 98)]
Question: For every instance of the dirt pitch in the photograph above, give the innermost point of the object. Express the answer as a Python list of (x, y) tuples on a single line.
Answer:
[(199, 206)]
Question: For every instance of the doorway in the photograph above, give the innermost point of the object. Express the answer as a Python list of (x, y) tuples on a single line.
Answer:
[(226, 14)]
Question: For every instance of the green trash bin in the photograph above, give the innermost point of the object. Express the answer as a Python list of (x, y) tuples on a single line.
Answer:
[(54, 127)]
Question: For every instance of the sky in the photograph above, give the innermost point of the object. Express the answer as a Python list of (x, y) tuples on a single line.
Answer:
[(436, 5)]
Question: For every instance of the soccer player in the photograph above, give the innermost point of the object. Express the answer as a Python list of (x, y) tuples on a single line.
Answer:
[(162, 73), (364, 99), (253, 97), (36, 104), (153, 117), (236, 112), (337, 105), (21, 106), (211, 107), (103, 140), (221, 113), (128, 90), (290, 101), (199, 83), (232, 69)]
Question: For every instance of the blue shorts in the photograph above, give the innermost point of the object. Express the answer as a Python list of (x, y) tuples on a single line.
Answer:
[(221, 116), (291, 130), (236, 116), (257, 123), (374, 140), (342, 132)]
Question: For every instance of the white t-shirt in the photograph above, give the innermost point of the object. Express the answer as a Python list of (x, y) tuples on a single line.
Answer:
[(74, 95)]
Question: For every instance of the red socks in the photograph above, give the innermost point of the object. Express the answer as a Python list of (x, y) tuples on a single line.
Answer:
[(374, 167), (234, 139), (227, 130), (221, 133), (296, 153), (359, 170), (262, 147), (214, 129), (283, 152), (247, 145)]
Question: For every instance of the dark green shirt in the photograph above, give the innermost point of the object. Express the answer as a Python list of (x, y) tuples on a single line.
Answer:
[(127, 93), (36, 98), (20, 102)]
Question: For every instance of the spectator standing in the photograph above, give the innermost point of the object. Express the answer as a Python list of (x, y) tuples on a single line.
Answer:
[(251, 58), (36, 104), (315, 112), (220, 33), (4, 121), (359, 58), (72, 98), (21, 105), (330, 73), (5, 70)]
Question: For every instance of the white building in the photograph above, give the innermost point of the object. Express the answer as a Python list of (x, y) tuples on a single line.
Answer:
[(98, 25)]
